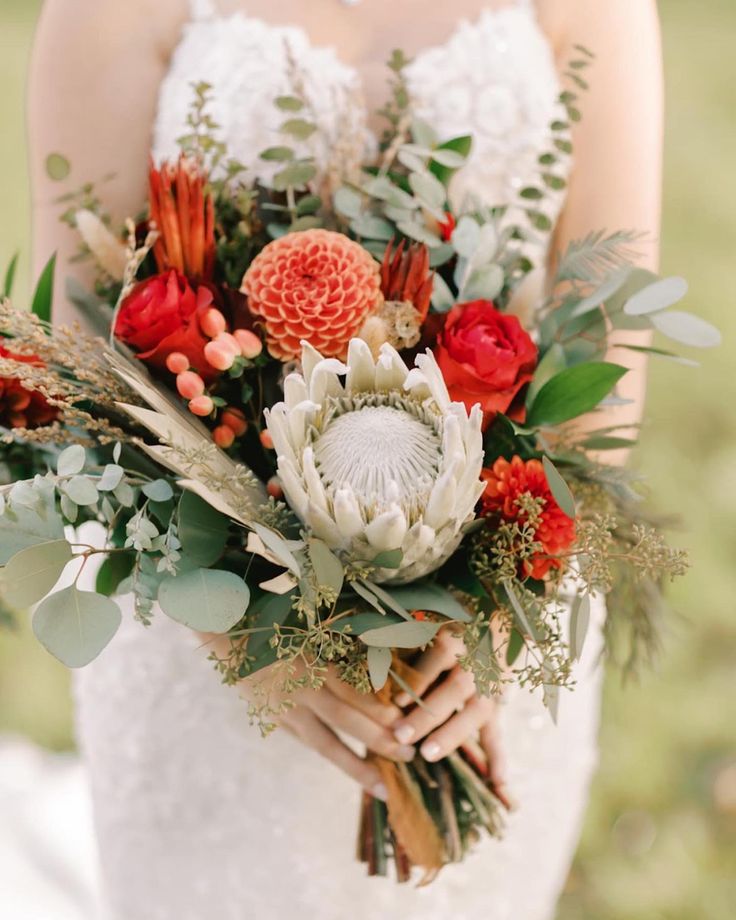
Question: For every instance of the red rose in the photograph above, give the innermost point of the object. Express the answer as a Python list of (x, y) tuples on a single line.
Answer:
[(161, 315), (20, 407), (485, 356)]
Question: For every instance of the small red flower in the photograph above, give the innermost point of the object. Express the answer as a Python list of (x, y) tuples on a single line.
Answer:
[(505, 482), (21, 407)]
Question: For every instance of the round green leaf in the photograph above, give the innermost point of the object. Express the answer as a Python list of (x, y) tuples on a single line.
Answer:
[(208, 600), (57, 167), (82, 490), (658, 296), (411, 634), (33, 572), (328, 569), (158, 491), (202, 530), (687, 328), (75, 626), (71, 461)]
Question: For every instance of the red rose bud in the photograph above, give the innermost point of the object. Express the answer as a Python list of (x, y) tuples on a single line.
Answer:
[(485, 356), (250, 345), (219, 355), (160, 316), (235, 419), (201, 405), (213, 322), (177, 363), (189, 385), (223, 436)]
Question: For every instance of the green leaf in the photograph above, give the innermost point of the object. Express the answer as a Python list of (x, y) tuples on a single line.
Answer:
[(208, 600), (484, 283), (202, 530), (28, 528), (375, 228), (612, 285), (658, 296), (390, 559), (82, 490), (428, 189), (552, 363), (307, 205), (419, 232), (379, 663), (605, 442), (43, 296), (32, 573), (573, 392), (387, 599), (686, 328), (111, 477), (559, 488), (522, 619), (57, 167), (278, 547), (328, 569), (347, 202), (532, 194), (579, 622), (289, 103), (514, 647), (359, 623), (295, 176), (448, 157), (411, 634), (71, 461), (113, 571), (75, 626), (10, 276), (268, 611), (430, 596), (277, 154), (298, 128), (158, 491)]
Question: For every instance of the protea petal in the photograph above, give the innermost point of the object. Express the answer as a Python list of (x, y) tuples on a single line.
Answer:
[(387, 531)]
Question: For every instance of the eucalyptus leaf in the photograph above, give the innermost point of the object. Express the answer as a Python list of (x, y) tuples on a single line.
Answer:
[(208, 600), (390, 559), (158, 491), (559, 488), (428, 189), (449, 158), (28, 528), (361, 622), (612, 285), (277, 154), (298, 128), (484, 283), (379, 663), (32, 573), (658, 296), (75, 626), (328, 569), (430, 596), (289, 103), (375, 228), (442, 297), (71, 460), (81, 490), (423, 133), (413, 634), (278, 547), (579, 622), (419, 232), (296, 175), (573, 392), (514, 647), (526, 625), (57, 167), (388, 600), (465, 237), (269, 611), (202, 530), (111, 478), (686, 328), (607, 442)]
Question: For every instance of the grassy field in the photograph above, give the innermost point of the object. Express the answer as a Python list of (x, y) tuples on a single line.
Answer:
[(660, 840)]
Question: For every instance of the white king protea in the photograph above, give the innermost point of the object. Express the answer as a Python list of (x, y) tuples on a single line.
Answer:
[(381, 461)]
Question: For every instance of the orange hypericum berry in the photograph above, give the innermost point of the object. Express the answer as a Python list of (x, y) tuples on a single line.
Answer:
[(201, 405), (189, 384), (219, 355), (223, 436), (250, 345), (266, 439), (274, 488), (212, 323), (177, 362), (235, 419)]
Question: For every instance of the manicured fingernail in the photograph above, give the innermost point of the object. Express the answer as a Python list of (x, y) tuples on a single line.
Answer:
[(379, 791), (402, 699), (404, 734), (430, 750), (406, 752)]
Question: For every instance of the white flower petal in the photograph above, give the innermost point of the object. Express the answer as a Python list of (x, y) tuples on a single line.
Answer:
[(387, 531), (315, 489), (442, 501), (428, 365), (391, 371), (418, 540), (310, 359), (348, 518), (361, 376), (325, 380), (295, 390)]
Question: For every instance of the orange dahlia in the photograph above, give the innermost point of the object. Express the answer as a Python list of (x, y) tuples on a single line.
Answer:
[(505, 482), (315, 285)]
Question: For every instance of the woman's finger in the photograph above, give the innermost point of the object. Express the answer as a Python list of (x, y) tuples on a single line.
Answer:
[(441, 656), (344, 717), (447, 698), (368, 703), (490, 741), (313, 733), (456, 731)]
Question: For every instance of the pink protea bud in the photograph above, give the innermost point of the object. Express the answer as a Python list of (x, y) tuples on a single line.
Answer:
[(201, 406), (177, 362), (223, 436), (235, 419), (218, 355), (190, 385), (250, 345), (274, 488), (266, 439), (213, 323)]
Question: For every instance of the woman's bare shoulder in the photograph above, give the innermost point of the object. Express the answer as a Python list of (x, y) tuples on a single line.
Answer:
[(569, 21), (156, 26)]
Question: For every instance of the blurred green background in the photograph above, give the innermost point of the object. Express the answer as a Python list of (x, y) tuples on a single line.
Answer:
[(660, 838)]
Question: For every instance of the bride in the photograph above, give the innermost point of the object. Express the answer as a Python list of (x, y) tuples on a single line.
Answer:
[(196, 816)]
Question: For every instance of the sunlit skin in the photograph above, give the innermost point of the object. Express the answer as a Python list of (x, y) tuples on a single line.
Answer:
[(615, 184)]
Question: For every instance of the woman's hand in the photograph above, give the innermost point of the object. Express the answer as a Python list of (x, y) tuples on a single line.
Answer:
[(453, 711), (314, 717)]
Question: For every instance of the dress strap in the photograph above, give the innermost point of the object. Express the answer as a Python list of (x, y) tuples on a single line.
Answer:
[(202, 9)]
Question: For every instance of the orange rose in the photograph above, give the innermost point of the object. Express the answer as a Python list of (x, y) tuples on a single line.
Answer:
[(485, 356)]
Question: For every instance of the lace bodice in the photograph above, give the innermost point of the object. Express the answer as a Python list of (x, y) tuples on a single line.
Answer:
[(494, 78)]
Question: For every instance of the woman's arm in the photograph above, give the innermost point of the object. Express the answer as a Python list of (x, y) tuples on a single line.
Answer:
[(617, 174), (95, 73)]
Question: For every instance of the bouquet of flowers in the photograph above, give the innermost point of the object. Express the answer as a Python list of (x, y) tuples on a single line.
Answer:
[(330, 423)]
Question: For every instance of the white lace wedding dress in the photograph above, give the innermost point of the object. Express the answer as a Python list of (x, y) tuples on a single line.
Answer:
[(197, 817)]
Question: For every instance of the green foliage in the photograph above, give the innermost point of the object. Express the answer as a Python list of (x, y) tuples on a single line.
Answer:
[(75, 626), (573, 392), (10, 277), (32, 573), (208, 600), (43, 296)]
